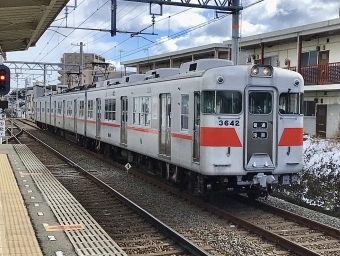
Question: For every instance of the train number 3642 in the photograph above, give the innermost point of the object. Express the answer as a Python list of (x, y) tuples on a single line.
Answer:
[(228, 123)]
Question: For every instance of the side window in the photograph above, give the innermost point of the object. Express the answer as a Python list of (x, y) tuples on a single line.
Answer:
[(110, 109), (90, 109), (185, 112), (69, 108), (59, 107), (81, 108), (141, 111)]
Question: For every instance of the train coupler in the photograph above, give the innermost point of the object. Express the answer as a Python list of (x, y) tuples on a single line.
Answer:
[(263, 180)]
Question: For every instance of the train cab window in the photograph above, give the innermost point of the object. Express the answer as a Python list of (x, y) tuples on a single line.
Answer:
[(221, 102), (260, 103), (291, 103)]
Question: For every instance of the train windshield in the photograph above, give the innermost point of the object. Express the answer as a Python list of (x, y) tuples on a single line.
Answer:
[(221, 102), (260, 102), (290, 103)]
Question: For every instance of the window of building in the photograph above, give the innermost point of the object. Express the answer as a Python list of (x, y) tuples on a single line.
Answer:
[(90, 109), (185, 112), (81, 108), (309, 108), (272, 60), (309, 58), (141, 111), (69, 108), (110, 109)]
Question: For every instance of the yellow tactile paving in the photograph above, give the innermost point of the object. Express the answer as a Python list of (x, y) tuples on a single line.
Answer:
[(17, 237)]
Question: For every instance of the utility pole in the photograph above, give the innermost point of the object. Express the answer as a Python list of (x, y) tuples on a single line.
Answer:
[(80, 76), (81, 65), (17, 94), (26, 84), (45, 72), (120, 62), (235, 33)]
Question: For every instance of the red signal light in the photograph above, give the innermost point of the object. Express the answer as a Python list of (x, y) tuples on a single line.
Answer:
[(2, 78)]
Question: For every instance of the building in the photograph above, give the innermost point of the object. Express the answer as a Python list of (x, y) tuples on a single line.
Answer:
[(312, 50), (94, 69)]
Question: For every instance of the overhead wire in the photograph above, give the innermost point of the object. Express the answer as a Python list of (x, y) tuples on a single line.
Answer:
[(150, 45), (149, 26), (77, 26), (183, 32)]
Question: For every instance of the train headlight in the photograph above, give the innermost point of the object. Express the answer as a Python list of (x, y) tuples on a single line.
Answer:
[(254, 71), (267, 71), (262, 71)]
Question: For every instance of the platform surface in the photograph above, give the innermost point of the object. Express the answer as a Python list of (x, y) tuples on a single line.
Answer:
[(38, 216)]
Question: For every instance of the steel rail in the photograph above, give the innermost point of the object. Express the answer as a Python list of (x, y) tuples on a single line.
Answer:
[(172, 234), (285, 243)]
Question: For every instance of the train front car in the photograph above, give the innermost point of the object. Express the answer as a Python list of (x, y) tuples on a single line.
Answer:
[(251, 128)]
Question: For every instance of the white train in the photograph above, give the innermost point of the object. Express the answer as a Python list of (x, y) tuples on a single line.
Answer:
[(208, 125)]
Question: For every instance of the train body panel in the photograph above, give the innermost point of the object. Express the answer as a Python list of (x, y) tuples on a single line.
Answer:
[(238, 124)]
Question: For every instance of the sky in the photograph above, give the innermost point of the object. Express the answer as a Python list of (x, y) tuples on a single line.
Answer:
[(176, 29)]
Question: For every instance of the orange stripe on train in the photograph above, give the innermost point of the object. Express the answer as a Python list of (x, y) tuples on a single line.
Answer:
[(291, 137), (219, 137)]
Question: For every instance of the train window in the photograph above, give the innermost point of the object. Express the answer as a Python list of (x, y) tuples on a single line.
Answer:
[(141, 111), (291, 103), (221, 102), (90, 109), (185, 112), (60, 104), (260, 102), (110, 109), (81, 108), (69, 108)]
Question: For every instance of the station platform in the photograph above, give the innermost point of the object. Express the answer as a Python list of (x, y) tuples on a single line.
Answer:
[(38, 216)]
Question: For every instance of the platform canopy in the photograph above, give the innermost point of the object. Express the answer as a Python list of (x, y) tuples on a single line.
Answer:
[(22, 22)]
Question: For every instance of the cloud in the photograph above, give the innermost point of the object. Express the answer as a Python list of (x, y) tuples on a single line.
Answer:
[(178, 27)]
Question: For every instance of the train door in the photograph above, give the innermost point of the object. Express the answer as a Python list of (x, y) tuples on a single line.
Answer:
[(75, 115), (124, 119), (321, 120), (260, 139), (197, 125), (165, 125), (98, 116)]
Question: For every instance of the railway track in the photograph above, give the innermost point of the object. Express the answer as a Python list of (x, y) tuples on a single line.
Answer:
[(135, 230), (297, 235)]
